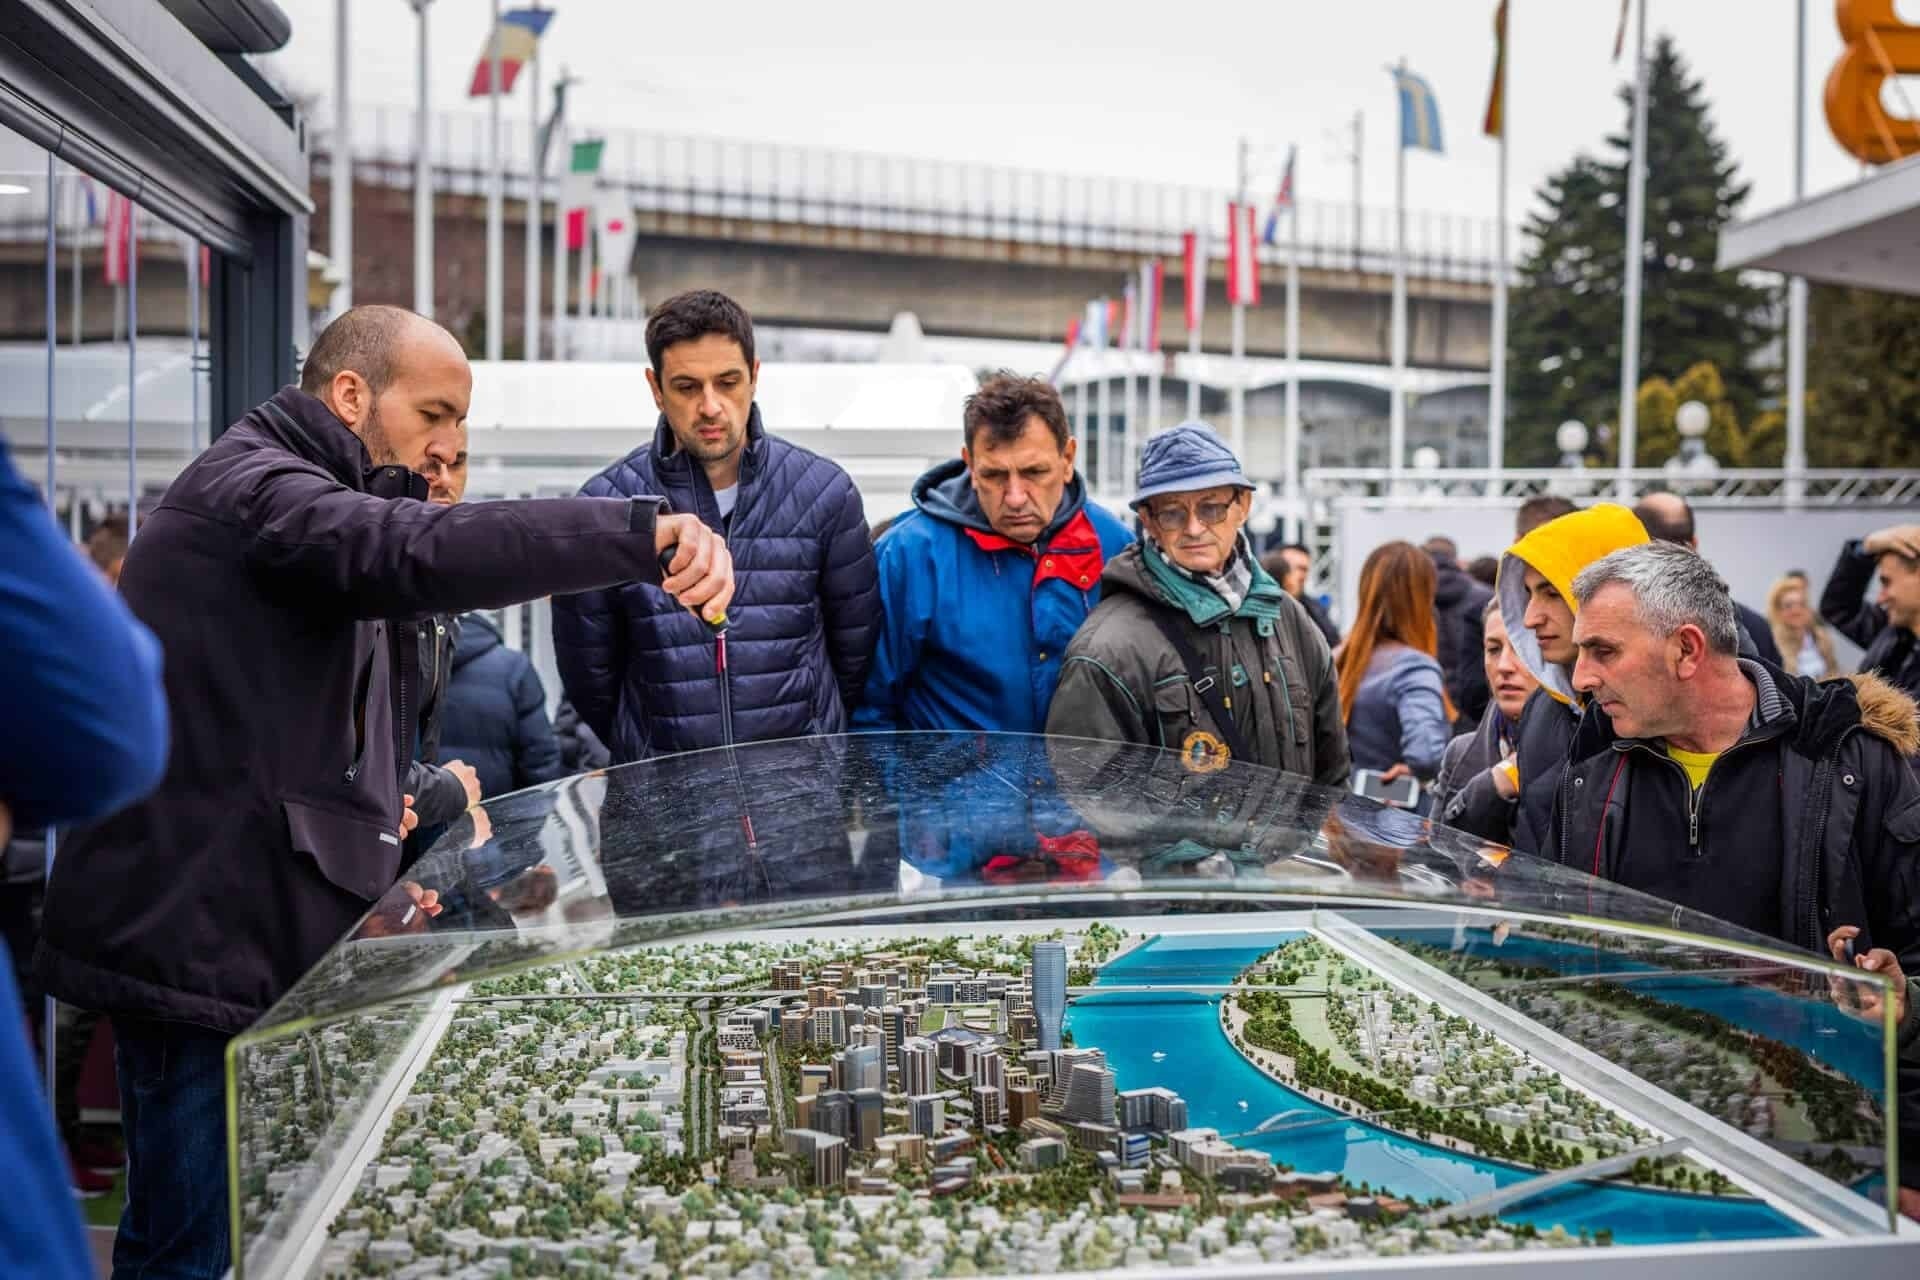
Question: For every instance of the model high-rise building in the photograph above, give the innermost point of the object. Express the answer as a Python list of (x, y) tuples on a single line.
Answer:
[(833, 1112), (825, 1154), (927, 1114), (986, 1106), (1158, 1108), (1049, 991), (919, 1063), (1090, 1095), (869, 1107), (1063, 1064), (863, 1068)]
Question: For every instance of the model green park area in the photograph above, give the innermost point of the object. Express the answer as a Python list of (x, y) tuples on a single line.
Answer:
[(1322, 1022)]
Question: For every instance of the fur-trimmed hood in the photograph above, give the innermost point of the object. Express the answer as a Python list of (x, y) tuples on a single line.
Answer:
[(1884, 711)]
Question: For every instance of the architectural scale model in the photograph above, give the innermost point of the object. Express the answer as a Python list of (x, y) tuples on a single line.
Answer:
[(956, 1104)]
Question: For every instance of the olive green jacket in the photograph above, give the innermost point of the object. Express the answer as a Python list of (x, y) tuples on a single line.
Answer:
[(1124, 681)]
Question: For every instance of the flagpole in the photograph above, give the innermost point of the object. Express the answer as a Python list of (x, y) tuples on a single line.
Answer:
[(536, 173), (496, 196), (1291, 464), (422, 174), (1238, 398), (1154, 360), (1797, 285), (560, 215), (1105, 468), (340, 185), (1193, 330), (1497, 397), (1636, 252), (1135, 340), (79, 201), (1396, 402)]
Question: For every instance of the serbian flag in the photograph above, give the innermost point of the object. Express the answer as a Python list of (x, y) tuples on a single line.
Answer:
[(1282, 201), (1153, 284), (1495, 125), (576, 192), (1129, 317), (1094, 332), (518, 35), (1194, 250), (1243, 268), (119, 248), (1073, 334)]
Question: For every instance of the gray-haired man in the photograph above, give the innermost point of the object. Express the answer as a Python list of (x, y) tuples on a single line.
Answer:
[(1766, 800)]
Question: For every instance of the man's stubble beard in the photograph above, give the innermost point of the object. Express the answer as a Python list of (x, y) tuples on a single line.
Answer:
[(374, 436)]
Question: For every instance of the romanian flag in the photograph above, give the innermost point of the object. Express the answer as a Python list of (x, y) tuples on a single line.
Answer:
[(518, 36), (1495, 125)]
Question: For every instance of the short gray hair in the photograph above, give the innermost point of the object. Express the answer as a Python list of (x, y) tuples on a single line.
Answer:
[(1672, 586)]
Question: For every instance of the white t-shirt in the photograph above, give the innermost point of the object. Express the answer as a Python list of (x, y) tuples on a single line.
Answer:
[(726, 498), (1813, 664)]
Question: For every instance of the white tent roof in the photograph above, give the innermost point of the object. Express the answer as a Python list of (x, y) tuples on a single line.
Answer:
[(1866, 234)]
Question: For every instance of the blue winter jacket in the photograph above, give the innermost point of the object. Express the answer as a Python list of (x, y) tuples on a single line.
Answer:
[(643, 671), (493, 713), (86, 733), (976, 624)]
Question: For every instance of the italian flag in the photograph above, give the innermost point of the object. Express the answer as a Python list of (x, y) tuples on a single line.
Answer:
[(583, 170)]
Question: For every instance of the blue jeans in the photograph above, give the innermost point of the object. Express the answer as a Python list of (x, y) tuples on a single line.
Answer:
[(173, 1111)]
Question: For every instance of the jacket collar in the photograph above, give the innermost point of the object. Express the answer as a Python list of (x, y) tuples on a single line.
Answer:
[(946, 493), (673, 459), (1143, 570), (1774, 715), (304, 426)]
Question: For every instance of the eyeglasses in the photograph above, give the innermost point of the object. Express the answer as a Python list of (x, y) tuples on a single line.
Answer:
[(1174, 519)]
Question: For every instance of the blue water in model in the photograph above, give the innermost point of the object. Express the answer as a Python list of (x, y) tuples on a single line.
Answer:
[(1202, 1067)]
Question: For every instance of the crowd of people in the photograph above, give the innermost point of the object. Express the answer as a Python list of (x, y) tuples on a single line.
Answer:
[(333, 694)]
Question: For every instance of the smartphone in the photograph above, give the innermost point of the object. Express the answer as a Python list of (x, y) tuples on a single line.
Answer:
[(1402, 793)]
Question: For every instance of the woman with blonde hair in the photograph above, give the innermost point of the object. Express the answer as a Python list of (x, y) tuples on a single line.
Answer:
[(1399, 719), (1806, 646)]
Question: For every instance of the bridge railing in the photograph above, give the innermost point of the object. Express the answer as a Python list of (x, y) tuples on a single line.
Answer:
[(712, 177)]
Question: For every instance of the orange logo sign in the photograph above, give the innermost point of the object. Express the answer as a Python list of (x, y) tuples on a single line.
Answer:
[(1878, 46)]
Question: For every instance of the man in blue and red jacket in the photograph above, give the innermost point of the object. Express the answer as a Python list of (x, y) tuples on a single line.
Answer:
[(985, 582)]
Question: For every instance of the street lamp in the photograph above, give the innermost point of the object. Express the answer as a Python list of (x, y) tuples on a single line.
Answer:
[(1572, 439), (1692, 420)]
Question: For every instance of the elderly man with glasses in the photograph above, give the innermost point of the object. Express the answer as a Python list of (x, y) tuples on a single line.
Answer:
[(1194, 647)]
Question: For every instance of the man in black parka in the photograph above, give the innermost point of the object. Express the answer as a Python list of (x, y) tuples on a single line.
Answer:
[(284, 573)]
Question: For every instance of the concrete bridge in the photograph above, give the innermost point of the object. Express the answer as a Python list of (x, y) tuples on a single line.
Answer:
[(839, 239)]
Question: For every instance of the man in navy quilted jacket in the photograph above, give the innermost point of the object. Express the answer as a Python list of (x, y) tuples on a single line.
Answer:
[(806, 611)]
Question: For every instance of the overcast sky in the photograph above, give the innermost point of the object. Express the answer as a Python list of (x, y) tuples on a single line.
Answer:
[(1127, 89)]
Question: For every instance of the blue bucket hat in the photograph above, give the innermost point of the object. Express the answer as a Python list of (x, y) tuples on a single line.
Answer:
[(1187, 458)]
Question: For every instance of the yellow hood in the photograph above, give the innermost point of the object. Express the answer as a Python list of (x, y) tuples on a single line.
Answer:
[(1560, 549)]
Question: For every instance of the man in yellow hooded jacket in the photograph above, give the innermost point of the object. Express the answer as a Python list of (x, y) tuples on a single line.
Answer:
[(1511, 802)]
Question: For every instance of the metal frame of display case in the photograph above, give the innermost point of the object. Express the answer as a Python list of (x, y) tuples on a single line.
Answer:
[(664, 854)]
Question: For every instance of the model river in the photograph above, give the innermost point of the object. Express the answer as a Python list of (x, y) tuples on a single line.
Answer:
[(1176, 1040)]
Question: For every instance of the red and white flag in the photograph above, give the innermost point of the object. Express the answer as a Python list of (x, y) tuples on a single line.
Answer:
[(1153, 283), (119, 249), (1243, 267), (1194, 245)]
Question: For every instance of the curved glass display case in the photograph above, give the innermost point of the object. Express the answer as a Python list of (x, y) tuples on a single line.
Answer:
[(944, 1004)]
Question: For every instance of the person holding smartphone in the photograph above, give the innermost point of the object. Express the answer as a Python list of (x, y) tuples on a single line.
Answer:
[(1399, 717)]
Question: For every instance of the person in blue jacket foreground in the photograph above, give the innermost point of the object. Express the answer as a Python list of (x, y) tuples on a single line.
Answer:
[(86, 734), (983, 583)]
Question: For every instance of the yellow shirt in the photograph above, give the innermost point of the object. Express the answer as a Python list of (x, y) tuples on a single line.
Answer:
[(1697, 763)]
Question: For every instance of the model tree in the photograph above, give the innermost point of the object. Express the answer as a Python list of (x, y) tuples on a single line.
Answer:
[(1564, 352)]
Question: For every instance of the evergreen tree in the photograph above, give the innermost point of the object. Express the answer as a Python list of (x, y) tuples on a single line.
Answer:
[(1863, 379), (1564, 352)]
